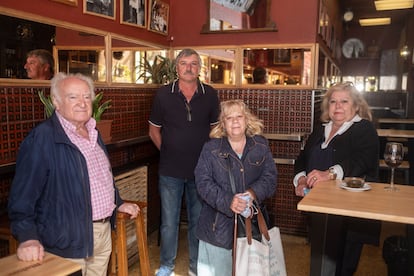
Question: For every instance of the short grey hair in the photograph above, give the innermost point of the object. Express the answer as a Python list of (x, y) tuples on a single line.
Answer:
[(44, 56), (186, 53), (59, 78)]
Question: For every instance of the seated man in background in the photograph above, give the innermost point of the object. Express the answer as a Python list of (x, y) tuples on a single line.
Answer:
[(39, 65), (259, 75)]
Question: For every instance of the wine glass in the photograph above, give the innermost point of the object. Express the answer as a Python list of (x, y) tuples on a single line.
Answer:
[(393, 157)]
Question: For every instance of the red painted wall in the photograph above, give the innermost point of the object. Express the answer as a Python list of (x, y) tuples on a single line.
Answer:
[(296, 21)]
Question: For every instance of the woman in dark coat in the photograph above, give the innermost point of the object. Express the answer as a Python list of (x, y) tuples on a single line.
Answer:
[(346, 144), (236, 145)]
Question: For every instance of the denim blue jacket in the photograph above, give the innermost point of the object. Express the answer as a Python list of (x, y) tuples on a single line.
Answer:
[(50, 198), (256, 170)]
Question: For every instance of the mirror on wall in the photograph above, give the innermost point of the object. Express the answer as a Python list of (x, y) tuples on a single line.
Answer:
[(218, 66), (76, 49), (81, 52), (328, 71), (277, 66), (239, 16), (89, 62), (134, 63), (17, 37)]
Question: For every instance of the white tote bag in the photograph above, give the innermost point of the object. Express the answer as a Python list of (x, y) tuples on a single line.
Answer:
[(264, 258)]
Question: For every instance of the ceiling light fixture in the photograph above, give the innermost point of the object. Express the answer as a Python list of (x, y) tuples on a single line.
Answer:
[(375, 21), (383, 5)]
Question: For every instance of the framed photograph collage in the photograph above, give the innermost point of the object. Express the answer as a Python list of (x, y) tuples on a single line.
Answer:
[(150, 14)]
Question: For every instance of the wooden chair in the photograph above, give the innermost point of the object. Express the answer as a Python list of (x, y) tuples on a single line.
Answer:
[(5, 234), (119, 258)]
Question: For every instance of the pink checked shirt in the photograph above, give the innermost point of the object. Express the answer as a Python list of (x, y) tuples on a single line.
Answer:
[(99, 168)]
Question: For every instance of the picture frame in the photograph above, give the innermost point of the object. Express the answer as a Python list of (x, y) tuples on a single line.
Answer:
[(158, 17), (134, 12), (281, 56), (104, 8), (68, 2)]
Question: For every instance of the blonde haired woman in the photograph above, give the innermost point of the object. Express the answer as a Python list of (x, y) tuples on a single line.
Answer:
[(236, 148)]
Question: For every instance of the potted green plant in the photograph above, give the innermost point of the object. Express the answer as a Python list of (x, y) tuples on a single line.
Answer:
[(98, 108), (160, 71)]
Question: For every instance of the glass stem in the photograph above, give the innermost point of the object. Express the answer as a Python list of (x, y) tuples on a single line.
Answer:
[(392, 178)]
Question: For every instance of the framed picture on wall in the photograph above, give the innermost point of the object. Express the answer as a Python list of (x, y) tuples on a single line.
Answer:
[(281, 56), (68, 2), (104, 8), (134, 12), (158, 18)]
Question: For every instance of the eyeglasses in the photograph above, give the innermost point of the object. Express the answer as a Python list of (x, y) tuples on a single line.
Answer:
[(345, 84), (349, 84), (188, 108)]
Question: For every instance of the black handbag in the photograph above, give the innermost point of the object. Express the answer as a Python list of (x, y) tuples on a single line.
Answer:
[(241, 221)]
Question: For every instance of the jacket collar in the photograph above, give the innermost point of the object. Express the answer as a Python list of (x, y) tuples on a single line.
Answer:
[(60, 135), (225, 150), (175, 88)]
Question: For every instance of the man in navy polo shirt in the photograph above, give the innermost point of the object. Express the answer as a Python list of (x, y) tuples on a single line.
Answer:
[(182, 115)]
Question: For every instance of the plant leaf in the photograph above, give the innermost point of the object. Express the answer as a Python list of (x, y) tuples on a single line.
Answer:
[(47, 102), (98, 109)]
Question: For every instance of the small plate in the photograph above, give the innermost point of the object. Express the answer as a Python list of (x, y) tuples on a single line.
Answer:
[(366, 187)]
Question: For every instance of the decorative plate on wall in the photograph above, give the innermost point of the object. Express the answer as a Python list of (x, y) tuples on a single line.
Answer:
[(353, 48)]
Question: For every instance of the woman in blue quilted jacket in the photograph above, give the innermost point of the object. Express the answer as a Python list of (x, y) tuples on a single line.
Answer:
[(236, 146)]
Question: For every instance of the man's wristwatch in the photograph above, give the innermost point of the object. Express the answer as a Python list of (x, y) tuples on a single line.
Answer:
[(332, 173)]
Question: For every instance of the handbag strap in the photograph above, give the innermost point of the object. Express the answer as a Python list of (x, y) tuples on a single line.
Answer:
[(234, 246), (260, 218), (262, 224), (233, 188), (231, 177)]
